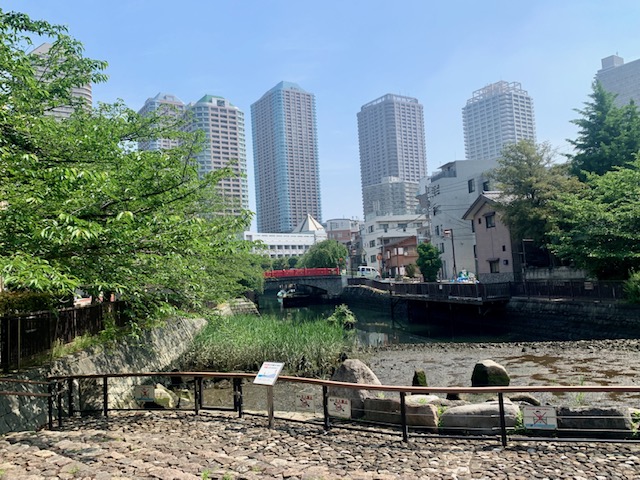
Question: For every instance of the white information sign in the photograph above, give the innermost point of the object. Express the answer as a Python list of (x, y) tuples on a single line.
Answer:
[(339, 407), (144, 393), (268, 373), (305, 403), (543, 418)]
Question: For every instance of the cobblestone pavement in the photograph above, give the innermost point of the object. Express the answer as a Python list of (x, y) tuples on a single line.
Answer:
[(181, 445)]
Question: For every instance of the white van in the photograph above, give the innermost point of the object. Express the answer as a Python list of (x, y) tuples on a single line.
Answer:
[(368, 272)]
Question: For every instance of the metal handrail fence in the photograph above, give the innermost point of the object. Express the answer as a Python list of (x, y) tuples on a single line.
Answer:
[(549, 289), (574, 289), (25, 336), (502, 427), (50, 395)]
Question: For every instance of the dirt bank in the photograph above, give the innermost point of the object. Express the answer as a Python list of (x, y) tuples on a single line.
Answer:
[(602, 362)]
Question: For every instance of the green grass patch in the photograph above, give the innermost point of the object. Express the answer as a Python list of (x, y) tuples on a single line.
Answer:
[(243, 342)]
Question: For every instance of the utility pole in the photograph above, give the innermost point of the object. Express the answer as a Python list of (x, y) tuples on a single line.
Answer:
[(448, 232)]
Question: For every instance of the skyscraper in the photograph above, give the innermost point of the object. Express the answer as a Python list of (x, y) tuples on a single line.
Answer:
[(496, 115), (621, 78), (82, 93), (285, 155), (392, 154), (223, 126), (163, 104)]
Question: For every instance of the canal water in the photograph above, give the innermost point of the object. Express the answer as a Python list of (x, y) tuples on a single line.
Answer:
[(377, 326)]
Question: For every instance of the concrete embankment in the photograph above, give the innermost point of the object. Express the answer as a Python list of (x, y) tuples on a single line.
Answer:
[(539, 319)]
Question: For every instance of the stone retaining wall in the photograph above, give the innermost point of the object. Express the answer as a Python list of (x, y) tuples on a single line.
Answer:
[(156, 350), (535, 318)]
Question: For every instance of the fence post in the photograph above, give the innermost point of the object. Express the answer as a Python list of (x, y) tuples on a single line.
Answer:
[(503, 423), (325, 407), (105, 395), (59, 399), (197, 393), (70, 388), (403, 417), (50, 404)]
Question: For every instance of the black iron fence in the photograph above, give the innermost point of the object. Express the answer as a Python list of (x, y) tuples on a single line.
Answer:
[(578, 289), (23, 337), (574, 289)]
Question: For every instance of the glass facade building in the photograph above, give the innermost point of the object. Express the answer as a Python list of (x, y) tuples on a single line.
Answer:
[(285, 155)]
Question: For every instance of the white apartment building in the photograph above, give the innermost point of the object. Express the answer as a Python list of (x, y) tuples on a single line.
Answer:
[(163, 104), (392, 154), (451, 191), (496, 115), (380, 230)]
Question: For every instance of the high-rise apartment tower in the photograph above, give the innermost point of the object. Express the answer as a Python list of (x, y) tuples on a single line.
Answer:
[(223, 127), (82, 93), (620, 78), (496, 115), (285, 155), (392, 154), (163, 104)]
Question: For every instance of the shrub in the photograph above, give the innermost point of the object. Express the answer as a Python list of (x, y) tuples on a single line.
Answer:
[(632, 287)]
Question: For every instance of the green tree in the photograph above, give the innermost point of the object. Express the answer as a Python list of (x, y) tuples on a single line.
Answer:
[(598, 228), (81, 207), (292, 262), (608, 135), (328, 253), (529, 181), (429, 261)]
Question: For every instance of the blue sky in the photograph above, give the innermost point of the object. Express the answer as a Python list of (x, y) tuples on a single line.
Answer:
[(350, 52)]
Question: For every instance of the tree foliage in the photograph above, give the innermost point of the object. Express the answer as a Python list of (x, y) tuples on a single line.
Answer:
[(81, 207), (608, 135), (598, 228), (529, 182), (429, 261), (328, 253)]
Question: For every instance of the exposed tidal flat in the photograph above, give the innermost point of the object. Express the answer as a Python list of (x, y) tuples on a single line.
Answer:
[(584, 362)]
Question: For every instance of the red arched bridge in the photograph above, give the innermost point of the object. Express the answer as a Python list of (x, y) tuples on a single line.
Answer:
[(327, 281)]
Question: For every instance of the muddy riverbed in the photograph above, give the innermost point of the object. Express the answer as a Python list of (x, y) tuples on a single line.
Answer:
[(602, 362)]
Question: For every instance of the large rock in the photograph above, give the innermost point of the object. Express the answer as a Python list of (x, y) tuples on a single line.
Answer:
[(354, 371), (601, 422), (488, 373), (419, 412), (478, 418)]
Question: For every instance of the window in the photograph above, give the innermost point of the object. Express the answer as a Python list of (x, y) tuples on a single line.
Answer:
[(490, 220), (472, 185), (372, 243), (494, 266), (485, 186)]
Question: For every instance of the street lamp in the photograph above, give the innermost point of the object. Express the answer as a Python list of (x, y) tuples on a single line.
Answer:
[(448, 232)]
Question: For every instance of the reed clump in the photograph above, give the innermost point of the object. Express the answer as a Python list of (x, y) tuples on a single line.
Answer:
[(311, 348)]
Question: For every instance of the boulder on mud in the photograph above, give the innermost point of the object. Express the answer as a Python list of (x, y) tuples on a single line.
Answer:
[(601, 422), (354, 371), (488, 373), (478, 418), (419, 412)]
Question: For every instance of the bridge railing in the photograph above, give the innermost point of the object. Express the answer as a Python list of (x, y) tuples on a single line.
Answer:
[(302, 272)]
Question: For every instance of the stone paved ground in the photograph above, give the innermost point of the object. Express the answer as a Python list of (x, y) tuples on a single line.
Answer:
[(180, 445)]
